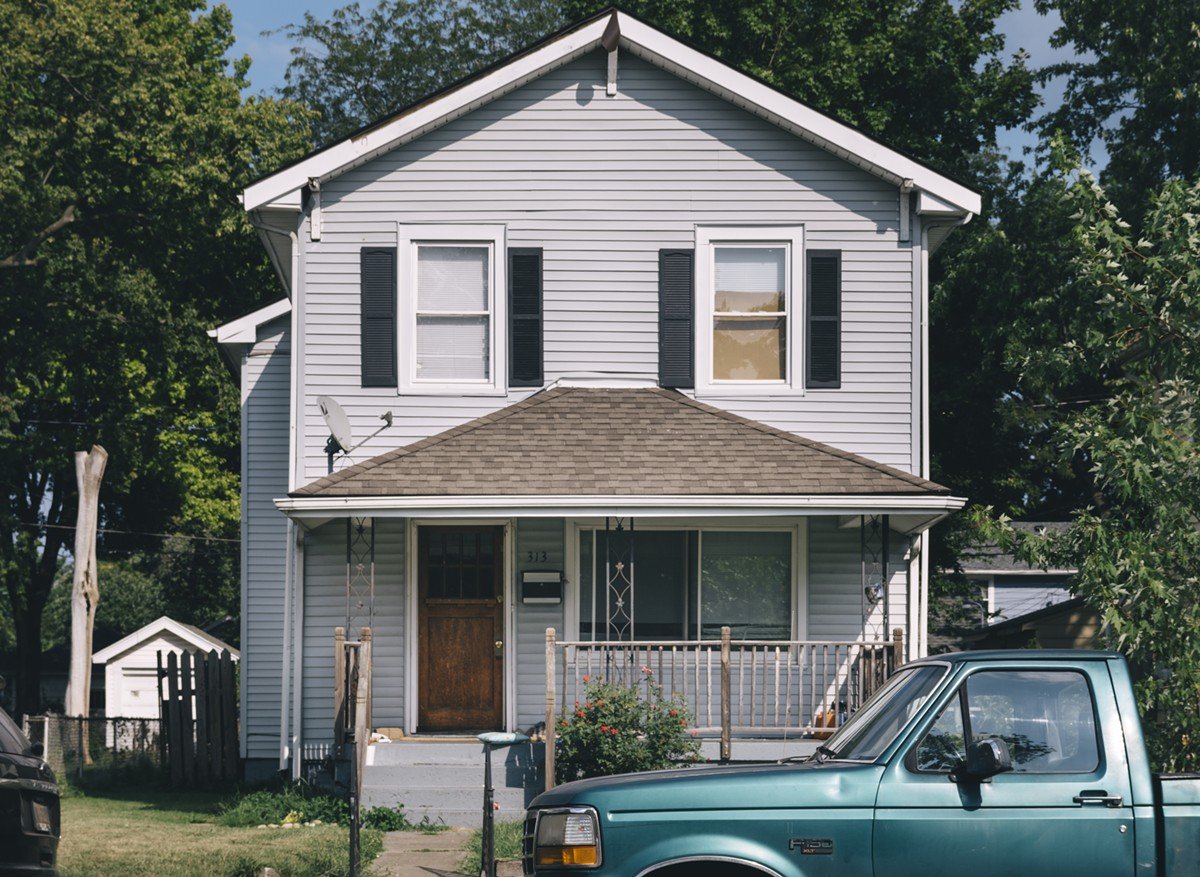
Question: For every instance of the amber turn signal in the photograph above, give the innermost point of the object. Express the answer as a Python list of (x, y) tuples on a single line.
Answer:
[(557, 857)]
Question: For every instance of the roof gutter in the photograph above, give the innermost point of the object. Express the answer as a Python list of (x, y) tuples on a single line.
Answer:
[(533, 506)]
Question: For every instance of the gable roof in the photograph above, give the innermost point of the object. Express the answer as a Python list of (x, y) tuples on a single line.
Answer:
[(188, 633), (574, 441), (643, 41)]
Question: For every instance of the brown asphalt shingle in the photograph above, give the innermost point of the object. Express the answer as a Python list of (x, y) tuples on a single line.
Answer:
[(613, 442)]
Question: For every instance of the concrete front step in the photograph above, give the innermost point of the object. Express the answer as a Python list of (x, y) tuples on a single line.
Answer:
[(444, 780)]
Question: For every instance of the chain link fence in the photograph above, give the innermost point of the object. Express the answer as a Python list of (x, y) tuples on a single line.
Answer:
[(77, 747)]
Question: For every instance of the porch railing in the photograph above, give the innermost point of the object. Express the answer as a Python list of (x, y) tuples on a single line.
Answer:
[(743, 687)]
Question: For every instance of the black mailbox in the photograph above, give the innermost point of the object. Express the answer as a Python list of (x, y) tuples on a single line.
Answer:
[(541, 586)]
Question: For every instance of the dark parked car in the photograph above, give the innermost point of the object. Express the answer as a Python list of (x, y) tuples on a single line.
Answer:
[(29, 818)]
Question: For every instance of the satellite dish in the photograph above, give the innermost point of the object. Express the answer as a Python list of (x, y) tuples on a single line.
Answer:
[(340, 438), (341, 441)]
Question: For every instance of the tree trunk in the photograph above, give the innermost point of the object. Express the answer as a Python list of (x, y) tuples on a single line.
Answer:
[(29, 659), (85, 592)]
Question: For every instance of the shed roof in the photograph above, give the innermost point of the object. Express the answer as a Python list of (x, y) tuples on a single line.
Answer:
[(577, 441), (187, 632)]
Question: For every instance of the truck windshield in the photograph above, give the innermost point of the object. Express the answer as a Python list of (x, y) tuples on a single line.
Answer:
[(873, 727)]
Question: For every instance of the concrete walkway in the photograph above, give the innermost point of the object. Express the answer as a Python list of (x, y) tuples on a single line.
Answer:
[(416, 854)]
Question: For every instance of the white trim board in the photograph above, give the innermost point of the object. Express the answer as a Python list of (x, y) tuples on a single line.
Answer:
[(920, 512), (651, 45)]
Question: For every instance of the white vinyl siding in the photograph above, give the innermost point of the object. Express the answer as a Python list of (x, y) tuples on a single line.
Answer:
[(325, 609), (601, 184), (265, 413)]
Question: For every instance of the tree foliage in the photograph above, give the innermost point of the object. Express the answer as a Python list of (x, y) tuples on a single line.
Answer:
[(125, 141), (1133, 85), (1137, 542), (358, 66)]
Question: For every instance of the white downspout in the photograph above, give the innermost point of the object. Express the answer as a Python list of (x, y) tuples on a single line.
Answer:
[(298, 655), (285, 669)]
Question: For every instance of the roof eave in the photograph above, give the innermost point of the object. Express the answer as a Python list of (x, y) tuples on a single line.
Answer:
[(912, 513), (644, 41)]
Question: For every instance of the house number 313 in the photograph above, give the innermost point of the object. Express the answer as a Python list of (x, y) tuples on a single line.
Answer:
[(536, 556)]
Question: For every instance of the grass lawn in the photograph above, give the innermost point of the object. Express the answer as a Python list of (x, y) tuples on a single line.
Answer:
[(157, 832), (508, 845)]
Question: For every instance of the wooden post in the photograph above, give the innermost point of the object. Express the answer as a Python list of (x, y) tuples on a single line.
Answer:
[(726, 718), (364, 660), (229, 718), (202, 753), (85, 593), (362, 707), (187, 726), (162, 715), (550, 706), (339, 688), (897, 648), (174, 721)]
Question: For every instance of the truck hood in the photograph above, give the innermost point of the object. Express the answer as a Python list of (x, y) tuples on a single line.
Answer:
[(830, 784)]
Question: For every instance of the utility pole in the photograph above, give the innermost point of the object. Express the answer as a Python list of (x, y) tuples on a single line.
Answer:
[(85, 589)]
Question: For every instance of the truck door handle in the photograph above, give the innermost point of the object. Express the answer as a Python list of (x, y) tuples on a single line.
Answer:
[(1098, 796)]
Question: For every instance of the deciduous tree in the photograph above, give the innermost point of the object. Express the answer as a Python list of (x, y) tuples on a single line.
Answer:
[(125, 140)]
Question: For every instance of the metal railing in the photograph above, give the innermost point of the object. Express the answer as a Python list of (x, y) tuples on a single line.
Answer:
[(731, 687)]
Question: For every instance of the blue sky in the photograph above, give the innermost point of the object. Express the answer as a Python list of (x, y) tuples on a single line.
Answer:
[(1024, 28)]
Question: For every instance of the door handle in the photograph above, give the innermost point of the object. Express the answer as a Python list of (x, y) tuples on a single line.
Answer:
[(499, 644), (1098, 796)]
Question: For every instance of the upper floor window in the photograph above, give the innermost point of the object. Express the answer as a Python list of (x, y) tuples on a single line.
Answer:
[(748, 294), (451, 318)]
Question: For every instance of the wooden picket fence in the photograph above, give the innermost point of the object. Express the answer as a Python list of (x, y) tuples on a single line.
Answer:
[(199, 742)]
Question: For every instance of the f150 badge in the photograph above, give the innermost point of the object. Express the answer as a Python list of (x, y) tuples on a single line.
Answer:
[(820, 846)]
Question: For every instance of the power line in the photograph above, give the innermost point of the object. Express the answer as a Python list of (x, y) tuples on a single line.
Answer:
[(132, 532)]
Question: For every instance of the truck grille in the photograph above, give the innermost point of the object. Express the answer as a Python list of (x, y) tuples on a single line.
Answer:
[(527, 840)]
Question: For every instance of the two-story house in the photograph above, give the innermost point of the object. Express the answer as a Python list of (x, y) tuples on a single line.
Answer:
[(632, 346)]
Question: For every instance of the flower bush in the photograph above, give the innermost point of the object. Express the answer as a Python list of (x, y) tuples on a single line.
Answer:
[(618, 729)]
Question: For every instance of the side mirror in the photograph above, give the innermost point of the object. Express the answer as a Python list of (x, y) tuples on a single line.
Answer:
[(985, 758), (37, 749)]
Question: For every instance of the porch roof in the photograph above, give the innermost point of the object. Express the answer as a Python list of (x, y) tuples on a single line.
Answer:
[(650, 449)]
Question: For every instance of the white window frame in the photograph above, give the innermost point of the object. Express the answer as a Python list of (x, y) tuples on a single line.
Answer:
[(408, 238), (797, 527), (708, 238)]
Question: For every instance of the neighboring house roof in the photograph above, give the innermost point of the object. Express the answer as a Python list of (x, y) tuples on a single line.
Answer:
[(989, 559), (613, 28), (636, 442), (188, 633), (244, 329), (1070, 624)]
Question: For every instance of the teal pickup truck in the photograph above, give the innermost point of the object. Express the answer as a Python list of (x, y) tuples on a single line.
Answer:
[(982, 764)]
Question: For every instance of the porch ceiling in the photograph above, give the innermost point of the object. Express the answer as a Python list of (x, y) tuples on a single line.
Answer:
[(649, 450)]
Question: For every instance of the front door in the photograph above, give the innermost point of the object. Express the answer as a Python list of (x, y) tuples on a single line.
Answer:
[(460, 622)]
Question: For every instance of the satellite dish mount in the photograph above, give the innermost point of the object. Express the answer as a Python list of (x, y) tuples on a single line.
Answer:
[(341, 440)]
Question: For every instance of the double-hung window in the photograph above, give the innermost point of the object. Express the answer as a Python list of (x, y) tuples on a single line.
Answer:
[(452, 309), (748, 294)]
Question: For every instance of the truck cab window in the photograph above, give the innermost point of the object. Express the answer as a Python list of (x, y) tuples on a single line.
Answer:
[(944, 746)]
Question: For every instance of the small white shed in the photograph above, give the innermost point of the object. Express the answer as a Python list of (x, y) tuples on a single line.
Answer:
[(131, 664)]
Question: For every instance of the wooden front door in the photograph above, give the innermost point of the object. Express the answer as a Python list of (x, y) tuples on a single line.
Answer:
[(460, 622)]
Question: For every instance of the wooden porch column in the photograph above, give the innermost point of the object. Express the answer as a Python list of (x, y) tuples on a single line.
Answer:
[(897, 647), (726, 731), (550, 718), (339, 688)]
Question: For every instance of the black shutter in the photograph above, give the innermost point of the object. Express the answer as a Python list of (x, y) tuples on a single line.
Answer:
[(676, 323), (824, 342), (525, 317), (378, 287)]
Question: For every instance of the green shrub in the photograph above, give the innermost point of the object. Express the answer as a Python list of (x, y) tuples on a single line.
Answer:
[(272, 807), (618, 730)]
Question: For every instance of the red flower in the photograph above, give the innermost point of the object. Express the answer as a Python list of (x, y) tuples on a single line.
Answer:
[(587, 678), (612, 731), (579, 713), (673, 713), (604, 727)]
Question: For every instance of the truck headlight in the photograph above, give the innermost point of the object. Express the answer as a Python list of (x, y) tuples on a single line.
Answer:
[(568, 838)]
